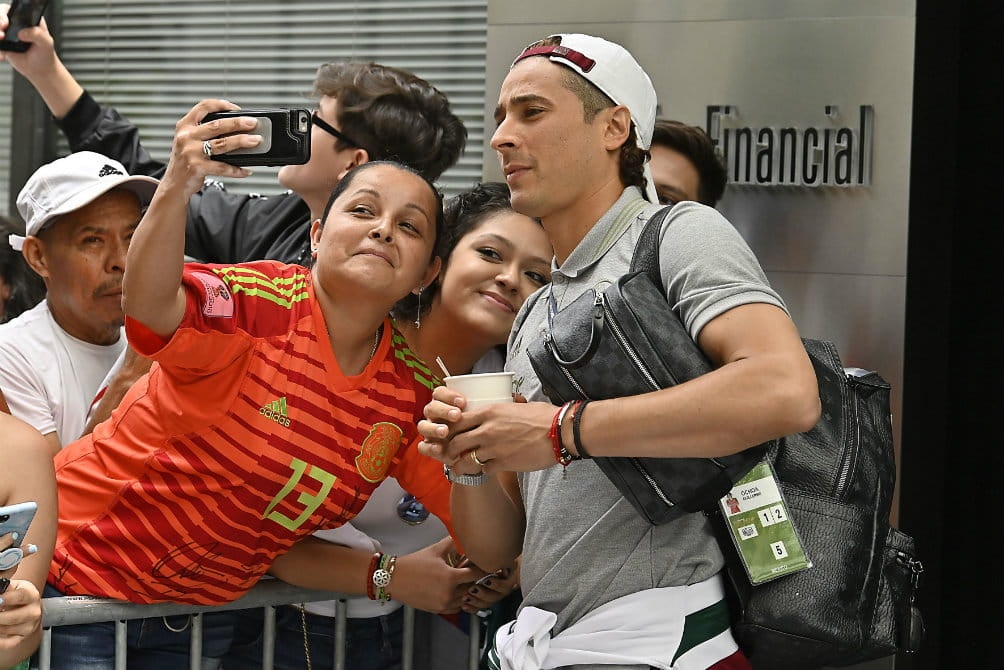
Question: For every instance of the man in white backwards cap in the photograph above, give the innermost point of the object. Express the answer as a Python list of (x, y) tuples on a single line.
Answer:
[(602, 587), (80, 212)]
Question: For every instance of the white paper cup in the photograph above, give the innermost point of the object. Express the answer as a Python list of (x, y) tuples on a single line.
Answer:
[(474, 404), (482, 388)]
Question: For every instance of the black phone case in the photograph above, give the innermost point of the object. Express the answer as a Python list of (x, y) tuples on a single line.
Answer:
[(21, 14), (285, 141)]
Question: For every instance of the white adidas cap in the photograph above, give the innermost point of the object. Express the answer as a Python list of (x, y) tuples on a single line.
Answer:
[(67, 184), (612, 69)]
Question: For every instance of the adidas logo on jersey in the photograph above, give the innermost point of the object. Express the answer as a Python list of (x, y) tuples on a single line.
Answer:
[(276, 410)]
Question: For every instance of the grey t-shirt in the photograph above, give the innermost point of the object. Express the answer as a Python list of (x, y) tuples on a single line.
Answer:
[(585, 545)]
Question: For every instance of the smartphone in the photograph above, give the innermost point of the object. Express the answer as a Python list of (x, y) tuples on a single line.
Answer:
[(15, 518), (22, 14), (285, 137)]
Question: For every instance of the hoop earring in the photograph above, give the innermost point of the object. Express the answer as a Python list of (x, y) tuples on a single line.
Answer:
[(418, 312)]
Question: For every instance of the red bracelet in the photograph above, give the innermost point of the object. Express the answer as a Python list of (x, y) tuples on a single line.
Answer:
[(561, 454), (553, 434), (374, 562)]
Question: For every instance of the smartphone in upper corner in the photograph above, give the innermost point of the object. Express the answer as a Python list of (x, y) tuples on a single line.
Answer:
[(22, 14), (15, 519), (285, 137)]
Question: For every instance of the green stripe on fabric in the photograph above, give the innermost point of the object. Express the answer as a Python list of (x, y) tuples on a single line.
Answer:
[(423, 375), (703, 625), (258, 285), (492, 659), (419, 371), (298, 285)]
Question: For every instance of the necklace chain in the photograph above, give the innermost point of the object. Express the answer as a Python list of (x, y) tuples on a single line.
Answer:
[(376, 341)]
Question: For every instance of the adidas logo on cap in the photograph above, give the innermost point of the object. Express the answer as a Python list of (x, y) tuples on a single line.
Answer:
[(109, 169)]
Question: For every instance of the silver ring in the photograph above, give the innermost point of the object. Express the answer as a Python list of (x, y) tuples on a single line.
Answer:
[(474, 457), (207, 148)]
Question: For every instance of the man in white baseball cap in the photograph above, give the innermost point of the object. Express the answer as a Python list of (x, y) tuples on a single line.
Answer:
[(80, 212), (602, 587)]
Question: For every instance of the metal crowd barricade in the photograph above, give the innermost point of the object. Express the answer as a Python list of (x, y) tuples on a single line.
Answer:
[(269, 593)]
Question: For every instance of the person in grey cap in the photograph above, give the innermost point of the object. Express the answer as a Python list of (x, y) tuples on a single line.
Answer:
[(80, 212), (602, 587)]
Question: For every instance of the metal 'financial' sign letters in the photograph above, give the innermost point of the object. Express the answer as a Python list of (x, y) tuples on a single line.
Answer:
[(829, 154)]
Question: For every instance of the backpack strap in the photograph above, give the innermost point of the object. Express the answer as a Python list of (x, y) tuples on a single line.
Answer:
[(646, 250), (645, 257)]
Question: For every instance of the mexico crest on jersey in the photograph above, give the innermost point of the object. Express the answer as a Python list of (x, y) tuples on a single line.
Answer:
[(378, 451)]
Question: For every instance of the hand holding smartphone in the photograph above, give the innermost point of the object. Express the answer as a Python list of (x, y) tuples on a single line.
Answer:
[(285, 137), (15, 520), (22, 14)]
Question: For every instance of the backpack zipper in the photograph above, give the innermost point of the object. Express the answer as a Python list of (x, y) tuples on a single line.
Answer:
[(624, 343), (549, 345), (853, 377), (849, 452)]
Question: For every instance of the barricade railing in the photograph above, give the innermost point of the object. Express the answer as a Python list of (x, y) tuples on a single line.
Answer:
[(267, 594)]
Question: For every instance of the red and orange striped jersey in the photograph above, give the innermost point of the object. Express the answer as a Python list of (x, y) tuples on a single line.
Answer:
[(244, 438)]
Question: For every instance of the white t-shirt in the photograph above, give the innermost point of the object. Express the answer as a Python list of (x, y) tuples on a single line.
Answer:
[(48, 377)]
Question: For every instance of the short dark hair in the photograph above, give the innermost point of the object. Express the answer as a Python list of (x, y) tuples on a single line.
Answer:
[(633, 157), (26, 288), (394, 115), (695, 144), (350, 176), (463, 213)]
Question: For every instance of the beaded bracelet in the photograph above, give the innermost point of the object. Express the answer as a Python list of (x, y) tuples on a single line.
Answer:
[(374, 562), (387, 565)]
